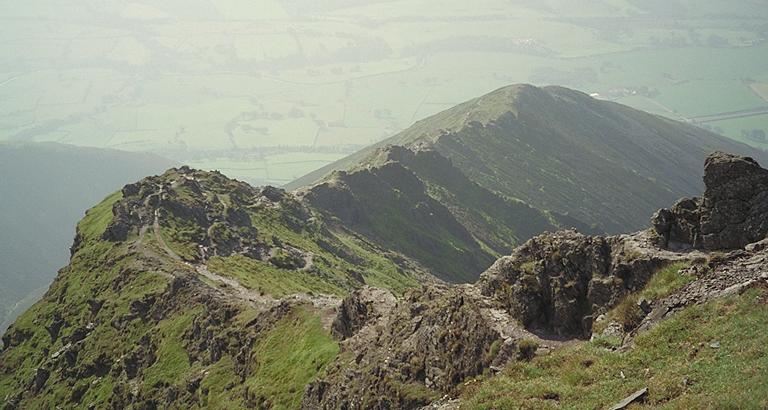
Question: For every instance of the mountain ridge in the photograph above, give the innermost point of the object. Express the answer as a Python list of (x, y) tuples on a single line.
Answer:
[(190, 289), (561, 150)]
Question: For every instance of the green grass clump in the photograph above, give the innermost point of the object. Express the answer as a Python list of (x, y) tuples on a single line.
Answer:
[(182, 236), (528, 267), (172, 360), (379, 271), (288, 358), (98, 218), (666, 281), (663, 283), (526, 349), (674, 360)]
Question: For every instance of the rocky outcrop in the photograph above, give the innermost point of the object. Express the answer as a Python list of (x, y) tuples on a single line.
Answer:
[(728, 274), (732, 213), (359, 309), (433, 340), (211, 212), (556, 283)]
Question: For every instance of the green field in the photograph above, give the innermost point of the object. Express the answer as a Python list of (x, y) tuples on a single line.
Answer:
[(268, 90)]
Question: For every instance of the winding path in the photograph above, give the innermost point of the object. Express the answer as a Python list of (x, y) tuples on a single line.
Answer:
[(231, 288)]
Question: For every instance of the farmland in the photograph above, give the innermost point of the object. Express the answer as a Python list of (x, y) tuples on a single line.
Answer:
[(269, 90)]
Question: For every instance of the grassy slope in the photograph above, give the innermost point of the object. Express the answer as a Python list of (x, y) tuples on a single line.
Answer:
[(395, 210), (674, 360), (417, 203), (627, 312), (291, 355), (561, 150), (286, 224), (285, 358), (85, 275)]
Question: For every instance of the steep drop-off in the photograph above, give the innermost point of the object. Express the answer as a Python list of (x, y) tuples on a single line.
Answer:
[(187, 290), (45, 189), (418, 203)]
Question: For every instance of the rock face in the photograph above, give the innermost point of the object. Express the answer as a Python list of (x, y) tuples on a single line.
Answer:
[(732, 213), (409, 352), (556, 283), (433, 340), (359, 309)]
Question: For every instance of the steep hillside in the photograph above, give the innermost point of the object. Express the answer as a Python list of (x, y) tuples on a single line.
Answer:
[(190, 289), (560, 150), (569, 321), (45, 189), (418, 203)]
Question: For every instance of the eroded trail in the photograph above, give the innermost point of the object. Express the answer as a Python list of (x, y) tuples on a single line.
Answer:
[(227, 286), (231, 288)]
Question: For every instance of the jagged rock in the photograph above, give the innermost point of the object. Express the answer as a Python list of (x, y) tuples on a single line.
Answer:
[(125, 219), (131, 189), (680, 225), (95, 306), (359, 309), (14, 337), (732, 213), (38, 380), (99, 367), (288, 258), (57, 322), (433, 340), (557, 282), (140, 358), (79, 334), (237, 217), (77, 393), (273, 194), (644, 305), (141, 307), (614, 329)]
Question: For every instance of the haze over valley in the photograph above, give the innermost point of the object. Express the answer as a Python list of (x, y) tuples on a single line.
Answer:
[(269, 90)]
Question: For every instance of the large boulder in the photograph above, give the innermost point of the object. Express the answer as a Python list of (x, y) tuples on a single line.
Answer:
[(732, 213)]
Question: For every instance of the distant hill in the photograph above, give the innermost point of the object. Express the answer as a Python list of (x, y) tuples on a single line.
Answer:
[(46, 188), (601, 163)]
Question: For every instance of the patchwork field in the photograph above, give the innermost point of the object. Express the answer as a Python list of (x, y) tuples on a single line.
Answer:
[(268, 90)]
